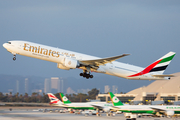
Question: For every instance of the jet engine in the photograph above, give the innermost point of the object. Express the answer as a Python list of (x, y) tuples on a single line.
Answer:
[(70, 63), (61, 66), (67, 63), (106, 110), (169, 113)]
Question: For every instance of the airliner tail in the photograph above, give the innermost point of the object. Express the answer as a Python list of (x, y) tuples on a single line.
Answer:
[(161, 64), (53, 99), (64, 99), (115, 100), (158, 66)]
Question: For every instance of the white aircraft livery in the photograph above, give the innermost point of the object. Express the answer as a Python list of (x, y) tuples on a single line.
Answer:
[(71, 60)]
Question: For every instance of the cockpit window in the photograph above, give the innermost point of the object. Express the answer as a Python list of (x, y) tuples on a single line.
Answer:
[(9, 42)]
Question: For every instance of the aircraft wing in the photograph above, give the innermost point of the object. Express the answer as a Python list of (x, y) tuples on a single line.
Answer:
[(115, 107), (101, 107), (158, 109), (102, 61), (97, 106)]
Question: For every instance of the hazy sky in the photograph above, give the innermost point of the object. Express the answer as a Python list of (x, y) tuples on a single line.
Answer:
[(147, 29)]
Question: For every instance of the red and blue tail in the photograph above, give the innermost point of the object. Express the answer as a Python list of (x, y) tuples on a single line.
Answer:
[(53, 99)]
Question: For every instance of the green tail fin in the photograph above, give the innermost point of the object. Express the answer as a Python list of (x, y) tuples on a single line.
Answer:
[(64, 99), (115, 100)]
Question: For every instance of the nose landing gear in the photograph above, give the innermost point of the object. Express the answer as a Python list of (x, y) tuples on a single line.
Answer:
[(14, 58)]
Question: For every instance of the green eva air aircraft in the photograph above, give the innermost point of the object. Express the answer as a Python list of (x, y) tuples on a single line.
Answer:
[(85, 105), (138, 109)]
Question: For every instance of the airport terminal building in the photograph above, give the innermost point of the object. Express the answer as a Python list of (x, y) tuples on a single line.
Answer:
[(160, 92)]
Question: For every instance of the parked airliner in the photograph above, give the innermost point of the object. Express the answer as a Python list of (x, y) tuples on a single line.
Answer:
[(54, 101), (168, 110), (71, 60)]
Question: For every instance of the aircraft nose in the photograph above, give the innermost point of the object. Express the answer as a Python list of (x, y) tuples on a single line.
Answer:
[(4, 45)]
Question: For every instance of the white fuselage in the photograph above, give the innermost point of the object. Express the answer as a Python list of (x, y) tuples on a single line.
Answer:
[(85, 105), (58, 55), (148, 108), (88, 104)]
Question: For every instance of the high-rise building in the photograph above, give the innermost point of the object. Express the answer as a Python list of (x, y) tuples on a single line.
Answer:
[(114, 89), (26, 85), (61, 85), (84, 91), (70, 91), (55, 84), (106, 89), (47, 85), (17, 86)]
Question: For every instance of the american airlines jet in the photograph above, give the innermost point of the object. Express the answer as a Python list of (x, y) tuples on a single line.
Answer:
[(71, 60)]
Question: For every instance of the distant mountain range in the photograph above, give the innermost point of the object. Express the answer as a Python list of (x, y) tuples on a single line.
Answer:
[(14, 83)]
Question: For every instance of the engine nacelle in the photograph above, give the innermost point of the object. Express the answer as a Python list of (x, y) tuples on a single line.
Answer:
[(106, 110), (70, 63), (169, 113), (61, 66)]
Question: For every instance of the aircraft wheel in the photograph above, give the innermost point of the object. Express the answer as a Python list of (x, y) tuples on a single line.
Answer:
[(91, 76), (14, 58), (87, 76), (84, 75), (81, 74), (108, 114)]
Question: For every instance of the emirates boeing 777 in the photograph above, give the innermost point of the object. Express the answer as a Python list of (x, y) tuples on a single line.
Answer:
[(71, 60)]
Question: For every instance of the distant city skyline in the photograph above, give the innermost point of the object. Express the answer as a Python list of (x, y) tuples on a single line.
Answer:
[(14, 84)]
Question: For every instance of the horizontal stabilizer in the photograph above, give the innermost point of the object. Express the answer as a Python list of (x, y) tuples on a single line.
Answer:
[(163, 75)]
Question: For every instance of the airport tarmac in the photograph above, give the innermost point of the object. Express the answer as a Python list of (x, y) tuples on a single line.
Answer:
[(29, 114)]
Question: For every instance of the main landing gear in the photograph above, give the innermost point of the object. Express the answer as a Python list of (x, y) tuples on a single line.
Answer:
[(86, 75), (14, 58)]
